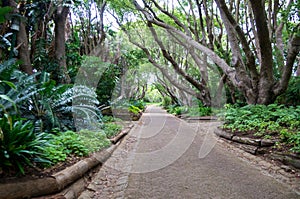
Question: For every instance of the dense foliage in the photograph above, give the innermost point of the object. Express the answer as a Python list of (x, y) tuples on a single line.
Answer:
[(272, 121), (64, 144), (19, 144), (37, 119), (195, 110), (61, 64)]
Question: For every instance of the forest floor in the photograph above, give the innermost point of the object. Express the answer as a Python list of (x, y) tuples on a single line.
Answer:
[(36, 173), (166, 157)]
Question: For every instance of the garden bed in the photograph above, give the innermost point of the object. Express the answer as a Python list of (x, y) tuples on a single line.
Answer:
[(272, 131), (261, 146), (61, 177)]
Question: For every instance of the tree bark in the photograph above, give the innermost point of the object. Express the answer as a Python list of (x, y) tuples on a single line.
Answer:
[(205, 95), (99, 44), (251, 71), (24, 53), (60, 41), (293, 51), (22, 41), (298, 69), (174, 98), (230, 25), (266, 82)]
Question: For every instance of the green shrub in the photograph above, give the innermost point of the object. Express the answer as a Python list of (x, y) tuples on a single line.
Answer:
[(55, 151), (69, 143), (271, 118), (94, 140), (191, 111), (170, 108), (19, 144), (266, 121), (294, 139), (111, 129), (291, 95), (138, 103), (175, 109), (64, 144), (199, 111), (133, 109), (106, 119), (291, 138), (167, 101)]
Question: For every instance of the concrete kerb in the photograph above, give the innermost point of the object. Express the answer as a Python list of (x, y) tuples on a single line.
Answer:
[(63, 182)]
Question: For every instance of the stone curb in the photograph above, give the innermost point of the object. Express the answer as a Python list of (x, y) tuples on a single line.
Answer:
[(245, 140), (60, 180), (185, 117), (259, 146)]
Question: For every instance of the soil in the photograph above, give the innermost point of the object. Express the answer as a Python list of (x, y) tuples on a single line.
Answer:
[(36, 172)]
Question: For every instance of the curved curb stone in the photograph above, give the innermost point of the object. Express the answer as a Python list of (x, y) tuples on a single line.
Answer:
[(57, 182), (259, 146), (245, 140), (223, 134), (287, 159), (186, 117)]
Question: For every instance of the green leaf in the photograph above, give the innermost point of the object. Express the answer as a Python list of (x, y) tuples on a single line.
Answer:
[(10, 84), (5, 97), (3, 12)]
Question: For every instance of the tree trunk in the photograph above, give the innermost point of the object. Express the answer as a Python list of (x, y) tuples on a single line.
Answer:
[(60, 40), (251, 71), (298, 69), (266, 81), (293, 51), (22, 42), (205, 95), (24, 53)]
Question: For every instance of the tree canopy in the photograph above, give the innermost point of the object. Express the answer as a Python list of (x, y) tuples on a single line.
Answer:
[(66, 63)]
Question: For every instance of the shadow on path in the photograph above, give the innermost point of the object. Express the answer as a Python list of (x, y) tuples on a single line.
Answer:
[(160, 159)]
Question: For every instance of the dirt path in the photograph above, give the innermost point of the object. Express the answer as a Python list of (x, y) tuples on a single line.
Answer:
[(165, 157)]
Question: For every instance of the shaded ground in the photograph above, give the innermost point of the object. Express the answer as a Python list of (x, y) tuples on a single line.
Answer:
[(35, 172), (165, 157)]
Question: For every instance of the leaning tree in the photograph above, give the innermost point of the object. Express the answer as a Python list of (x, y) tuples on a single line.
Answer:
[(254, 43)]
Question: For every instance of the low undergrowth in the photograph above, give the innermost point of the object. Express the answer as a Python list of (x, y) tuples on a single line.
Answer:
[(272, 121), (190, 111), (111, 129), (68, 143), (82, 143), (21, 146)]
